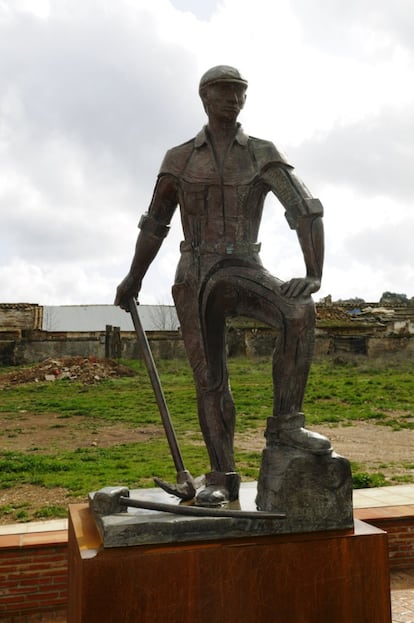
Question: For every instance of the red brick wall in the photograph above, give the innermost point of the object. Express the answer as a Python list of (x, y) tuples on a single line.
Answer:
[(398, 522), (33, 583), (400, 542)]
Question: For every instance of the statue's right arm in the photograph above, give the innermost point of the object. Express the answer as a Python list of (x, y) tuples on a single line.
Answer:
[(154, 226)]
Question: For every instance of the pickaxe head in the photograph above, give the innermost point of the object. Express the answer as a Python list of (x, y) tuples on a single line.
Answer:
[(185, 488)]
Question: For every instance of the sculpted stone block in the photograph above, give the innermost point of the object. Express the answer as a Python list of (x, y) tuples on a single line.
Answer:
[(315, 491)]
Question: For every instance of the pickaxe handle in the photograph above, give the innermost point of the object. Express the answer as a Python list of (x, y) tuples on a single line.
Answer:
[(182, 474), (197, 511)]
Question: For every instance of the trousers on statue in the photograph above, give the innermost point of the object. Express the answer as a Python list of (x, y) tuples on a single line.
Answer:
[(242, 289)]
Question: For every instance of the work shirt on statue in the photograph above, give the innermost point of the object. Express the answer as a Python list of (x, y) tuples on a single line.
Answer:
[(221, 206)]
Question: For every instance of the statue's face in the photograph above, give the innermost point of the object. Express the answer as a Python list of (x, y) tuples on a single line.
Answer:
[(224, 99)]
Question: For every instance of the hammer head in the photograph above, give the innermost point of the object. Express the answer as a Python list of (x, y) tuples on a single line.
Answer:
[(106, 501)]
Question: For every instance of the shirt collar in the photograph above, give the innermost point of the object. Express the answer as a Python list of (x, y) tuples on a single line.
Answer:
[(240, 137)]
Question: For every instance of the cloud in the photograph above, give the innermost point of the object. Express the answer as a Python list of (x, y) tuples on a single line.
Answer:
[(386, 246), (92, 94), (83, 129), (361, 29), (100, 76), (202, 10), (373, 155)]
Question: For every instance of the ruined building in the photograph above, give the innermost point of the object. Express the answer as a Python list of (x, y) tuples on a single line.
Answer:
[(31, 333)]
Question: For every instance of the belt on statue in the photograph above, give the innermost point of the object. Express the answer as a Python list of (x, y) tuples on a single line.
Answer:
[(221, 248)]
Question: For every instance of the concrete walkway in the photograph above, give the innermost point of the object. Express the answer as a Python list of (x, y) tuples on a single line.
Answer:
[(400, 495)]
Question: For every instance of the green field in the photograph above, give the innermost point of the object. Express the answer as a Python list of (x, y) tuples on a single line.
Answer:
[(337, 393)]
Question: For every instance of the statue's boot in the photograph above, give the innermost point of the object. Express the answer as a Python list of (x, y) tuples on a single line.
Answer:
[(290, 431), (221, 487)]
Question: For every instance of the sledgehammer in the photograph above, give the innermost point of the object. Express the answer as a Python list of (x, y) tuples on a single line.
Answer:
[(186, 484)]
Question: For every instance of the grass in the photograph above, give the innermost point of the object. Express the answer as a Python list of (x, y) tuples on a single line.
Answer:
[(364, 392), (335, 394)]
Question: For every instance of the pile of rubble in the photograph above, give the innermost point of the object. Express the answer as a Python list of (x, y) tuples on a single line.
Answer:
[(332, 313), (84, 370)]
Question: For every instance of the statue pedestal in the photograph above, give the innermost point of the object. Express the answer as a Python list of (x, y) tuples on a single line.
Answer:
[(332, 576)]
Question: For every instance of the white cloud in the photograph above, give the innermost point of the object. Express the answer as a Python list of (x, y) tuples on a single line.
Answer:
[(373, 155), (92, 93)]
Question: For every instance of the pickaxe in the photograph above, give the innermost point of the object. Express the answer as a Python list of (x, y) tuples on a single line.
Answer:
[(113, 500), (186, 485)]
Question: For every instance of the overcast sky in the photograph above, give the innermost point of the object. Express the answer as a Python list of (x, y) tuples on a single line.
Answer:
[(93, 92)]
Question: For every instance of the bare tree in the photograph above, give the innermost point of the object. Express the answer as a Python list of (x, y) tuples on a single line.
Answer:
[(164, 317)]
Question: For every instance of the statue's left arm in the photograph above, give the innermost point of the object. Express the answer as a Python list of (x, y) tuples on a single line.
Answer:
[(304, 214)]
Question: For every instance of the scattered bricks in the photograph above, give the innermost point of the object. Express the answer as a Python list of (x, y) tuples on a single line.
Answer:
[(86, 370)]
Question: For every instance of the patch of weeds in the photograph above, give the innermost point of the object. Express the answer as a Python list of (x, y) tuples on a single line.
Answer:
[(393, 423), (364, 480), (248, 464), (15, 512), (6, 509), (249, 473), (13, 432), (376, 415), (403, 478), (52, 511)]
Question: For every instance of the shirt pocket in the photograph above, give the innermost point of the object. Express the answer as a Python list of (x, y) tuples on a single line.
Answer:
[(194, 197)]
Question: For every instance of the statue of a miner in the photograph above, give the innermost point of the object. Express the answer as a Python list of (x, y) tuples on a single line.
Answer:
[(220, 180)]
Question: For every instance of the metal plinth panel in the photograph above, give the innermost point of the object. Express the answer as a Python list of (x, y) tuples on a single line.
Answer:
[(313, 577)]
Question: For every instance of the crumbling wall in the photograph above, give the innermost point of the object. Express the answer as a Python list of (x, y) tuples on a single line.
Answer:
[(391, 345), (370, 335), (36, 346), (17, 317), (15, 320)]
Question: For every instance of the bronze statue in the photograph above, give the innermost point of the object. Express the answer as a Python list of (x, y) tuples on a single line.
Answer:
[(220, 180)]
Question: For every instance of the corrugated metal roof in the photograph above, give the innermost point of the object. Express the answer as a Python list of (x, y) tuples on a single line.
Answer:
[(96, 317)]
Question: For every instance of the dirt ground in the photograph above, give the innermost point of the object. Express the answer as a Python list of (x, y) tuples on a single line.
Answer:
[(370, 445), (374, 447)]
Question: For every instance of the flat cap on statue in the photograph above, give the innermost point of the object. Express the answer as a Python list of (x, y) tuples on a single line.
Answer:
[(221, 73)]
